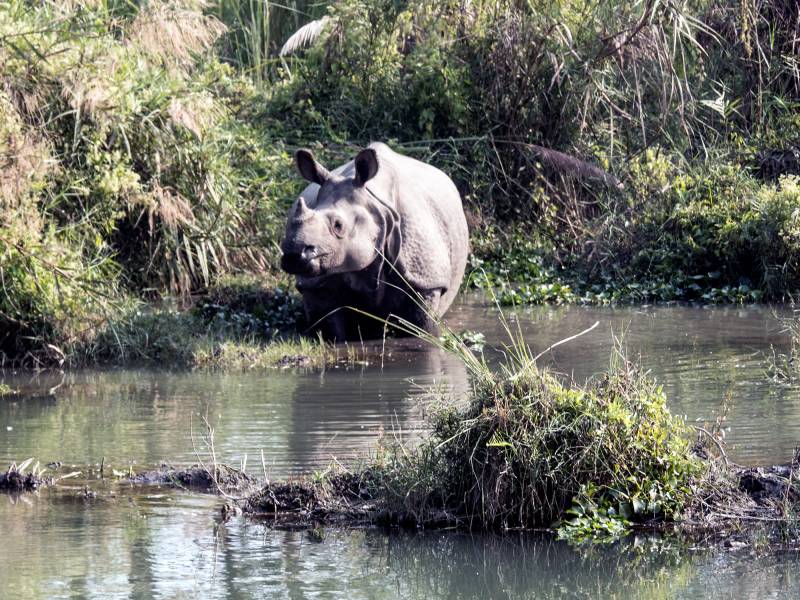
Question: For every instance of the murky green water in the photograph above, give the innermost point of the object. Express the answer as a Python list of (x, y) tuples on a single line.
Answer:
[(149, 542)]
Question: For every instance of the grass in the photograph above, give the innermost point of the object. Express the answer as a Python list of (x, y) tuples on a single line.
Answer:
[(184, 339), (785, 366), (242, 322), (526, 450), (529, 449)]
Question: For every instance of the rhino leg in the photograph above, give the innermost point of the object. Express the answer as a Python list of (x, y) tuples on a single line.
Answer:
[(423, 316), (324, 317), (321, 301)]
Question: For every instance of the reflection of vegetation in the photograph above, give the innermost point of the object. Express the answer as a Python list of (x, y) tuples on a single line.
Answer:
[(526, 565), (140, 418)]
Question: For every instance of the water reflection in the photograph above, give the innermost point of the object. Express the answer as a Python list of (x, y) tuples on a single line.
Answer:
[(708, 359), (299, 420), (147, 544)]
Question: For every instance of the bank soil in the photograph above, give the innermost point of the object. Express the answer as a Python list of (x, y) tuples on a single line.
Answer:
[(14, 481), (212, 479), (729, 497)]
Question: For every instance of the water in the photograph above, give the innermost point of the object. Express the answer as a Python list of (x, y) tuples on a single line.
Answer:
[(151, 542)]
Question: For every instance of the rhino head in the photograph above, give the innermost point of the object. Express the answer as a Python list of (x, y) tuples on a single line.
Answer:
[(339, 231)]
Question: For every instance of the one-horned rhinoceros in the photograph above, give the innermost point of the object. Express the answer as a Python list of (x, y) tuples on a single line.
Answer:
[(383, 234)]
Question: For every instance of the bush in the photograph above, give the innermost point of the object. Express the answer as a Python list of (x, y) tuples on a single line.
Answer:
[(712, 234), (131, 166), (528, 449)]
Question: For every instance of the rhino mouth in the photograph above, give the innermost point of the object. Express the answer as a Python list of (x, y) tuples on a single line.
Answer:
[(295, 265)]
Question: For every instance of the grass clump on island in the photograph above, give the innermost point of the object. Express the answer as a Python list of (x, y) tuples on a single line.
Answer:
[(785, 366), (531, 451), (526, 451)]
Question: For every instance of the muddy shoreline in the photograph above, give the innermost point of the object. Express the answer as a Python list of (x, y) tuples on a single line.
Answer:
[(728, 506)]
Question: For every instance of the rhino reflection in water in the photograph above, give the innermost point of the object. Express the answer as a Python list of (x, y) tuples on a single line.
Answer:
[(376, 234), (339, 413)]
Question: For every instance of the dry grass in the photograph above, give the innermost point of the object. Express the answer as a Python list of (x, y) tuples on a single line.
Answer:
[(175, 32)]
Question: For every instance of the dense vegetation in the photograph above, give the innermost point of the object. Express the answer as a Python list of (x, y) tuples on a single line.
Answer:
[(530, 451), (145, 149)]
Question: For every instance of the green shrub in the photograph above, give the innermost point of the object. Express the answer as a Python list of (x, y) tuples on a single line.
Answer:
[(154, 162), (708, 233), (130, 166), (526, 450)]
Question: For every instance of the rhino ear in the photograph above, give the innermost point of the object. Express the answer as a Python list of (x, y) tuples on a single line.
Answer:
[(366, 166), (309, 168)]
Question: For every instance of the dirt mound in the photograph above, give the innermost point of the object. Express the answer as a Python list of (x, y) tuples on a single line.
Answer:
[(226, 480), (768, 485), (15, 482), (340, 499)]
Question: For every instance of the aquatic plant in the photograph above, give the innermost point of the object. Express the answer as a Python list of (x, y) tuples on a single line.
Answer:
[(785, 366), (529, 448)]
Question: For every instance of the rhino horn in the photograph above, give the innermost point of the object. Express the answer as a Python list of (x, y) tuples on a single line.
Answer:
[(303, 212)]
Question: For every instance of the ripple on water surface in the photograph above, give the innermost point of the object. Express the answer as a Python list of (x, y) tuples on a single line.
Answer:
[(709, 360)]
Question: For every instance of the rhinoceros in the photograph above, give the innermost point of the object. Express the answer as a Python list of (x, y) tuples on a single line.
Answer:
[(383, 234)]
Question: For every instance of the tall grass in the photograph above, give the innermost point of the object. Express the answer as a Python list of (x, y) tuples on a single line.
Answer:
[(258, 28), (127, 170)]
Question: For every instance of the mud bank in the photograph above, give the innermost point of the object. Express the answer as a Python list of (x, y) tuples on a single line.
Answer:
[(14, 481), (219, 479), (730, 498)]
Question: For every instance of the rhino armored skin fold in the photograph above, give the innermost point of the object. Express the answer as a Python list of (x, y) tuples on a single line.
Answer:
[(380, 234)]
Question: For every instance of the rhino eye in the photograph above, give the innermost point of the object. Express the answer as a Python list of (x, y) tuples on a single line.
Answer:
[(338, 226)]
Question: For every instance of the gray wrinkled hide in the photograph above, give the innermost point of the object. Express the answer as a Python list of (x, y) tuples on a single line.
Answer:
[(424, 244)]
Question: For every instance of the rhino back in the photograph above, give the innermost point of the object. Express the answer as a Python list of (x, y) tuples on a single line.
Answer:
[(435, 236)]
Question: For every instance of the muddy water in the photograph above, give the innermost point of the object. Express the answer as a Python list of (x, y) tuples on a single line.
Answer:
[(149, 542)]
